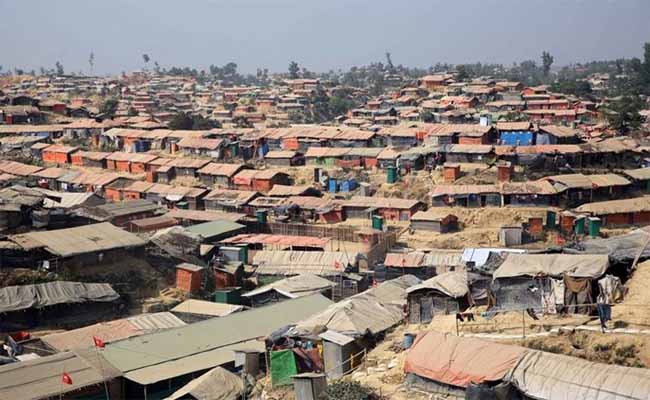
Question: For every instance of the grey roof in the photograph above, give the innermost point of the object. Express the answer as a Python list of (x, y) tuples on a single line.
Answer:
[(69, 199), (206, 344), (202, 307), (453, 284), (213, 229), (41, 378), (108, 211), (638, 174), (14, 298), (295, 286), (21, 196), (155, 321), (80, 240)]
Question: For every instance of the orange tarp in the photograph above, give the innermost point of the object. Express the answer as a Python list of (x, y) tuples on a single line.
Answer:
[(458, 361)]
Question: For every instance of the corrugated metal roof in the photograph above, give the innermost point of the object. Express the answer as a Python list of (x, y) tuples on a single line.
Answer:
[(212, 229), (289, 190), (639, 204), (202, 307), (204, 215), (206, 344), (219, 169), (606, 180), (380, 202), (122, 208), (444, 257), (155, 321), (288, 263), (83, 239)]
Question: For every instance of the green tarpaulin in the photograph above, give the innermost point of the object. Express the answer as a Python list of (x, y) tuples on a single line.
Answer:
[(283, 367)]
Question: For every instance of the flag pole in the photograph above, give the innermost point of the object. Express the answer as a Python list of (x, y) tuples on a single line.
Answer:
[(101, 369)]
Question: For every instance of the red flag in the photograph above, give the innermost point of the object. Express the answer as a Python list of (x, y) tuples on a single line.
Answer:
[(337, 264), (374, 283), (98, 342), (66, 379)]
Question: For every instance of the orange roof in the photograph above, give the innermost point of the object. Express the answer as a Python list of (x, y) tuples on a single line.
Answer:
[(286, 240), (58, 148), (460, 361)]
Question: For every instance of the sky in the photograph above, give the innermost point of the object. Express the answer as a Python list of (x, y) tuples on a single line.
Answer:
[(319, 35)]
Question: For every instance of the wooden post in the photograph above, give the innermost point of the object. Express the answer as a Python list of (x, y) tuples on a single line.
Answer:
[(457, 325)]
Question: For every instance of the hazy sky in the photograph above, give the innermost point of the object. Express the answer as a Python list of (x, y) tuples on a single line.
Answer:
[(321, 35)]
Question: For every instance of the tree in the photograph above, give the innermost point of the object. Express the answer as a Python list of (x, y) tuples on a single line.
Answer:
[(339, 105), (91, 62), (241, 121), (623, 114), (131, 112), (59, 68), (185, 121), (427, 116), (109, 107), (181, 121), (156, 67), (146, 59), (294, 68), (547, 61), (461, 73), (645, 68), (389, 62)]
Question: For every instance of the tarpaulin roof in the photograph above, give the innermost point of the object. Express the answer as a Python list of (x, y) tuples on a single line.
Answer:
[(296, 286), (297, 262), (394, 290), (460, 361), (404, 260), (556, 265), (620, 248), (41, 378), (112, 331), (354, 316), (453, 284), (216, 384), (14, 298), (374, 311), (541, 375), (481, 255)]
